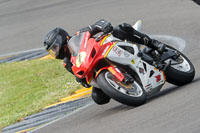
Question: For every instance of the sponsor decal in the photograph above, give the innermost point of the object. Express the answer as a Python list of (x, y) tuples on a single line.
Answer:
[(111, 70), (148, 87), (117, 50), (111, 47), (158, 78), (133, 61), (146, 40), (141, 70)]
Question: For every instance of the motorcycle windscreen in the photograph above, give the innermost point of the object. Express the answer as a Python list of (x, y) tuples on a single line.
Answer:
[(74, 44)]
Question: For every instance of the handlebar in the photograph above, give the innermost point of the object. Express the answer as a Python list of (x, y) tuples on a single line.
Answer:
[(98, 38)]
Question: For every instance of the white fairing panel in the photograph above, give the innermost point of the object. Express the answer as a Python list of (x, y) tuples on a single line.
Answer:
[(151, 78)]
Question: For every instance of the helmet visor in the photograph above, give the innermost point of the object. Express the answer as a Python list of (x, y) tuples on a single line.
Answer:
[(55, 47)]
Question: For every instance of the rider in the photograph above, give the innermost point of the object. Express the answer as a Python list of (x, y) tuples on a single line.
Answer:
[(56, 42)]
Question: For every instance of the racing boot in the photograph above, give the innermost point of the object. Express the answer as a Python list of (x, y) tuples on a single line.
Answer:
[(127, 32), (157, 45), (99, 97)]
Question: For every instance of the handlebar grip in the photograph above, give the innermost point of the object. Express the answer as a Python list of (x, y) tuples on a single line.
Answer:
[(98, 38)]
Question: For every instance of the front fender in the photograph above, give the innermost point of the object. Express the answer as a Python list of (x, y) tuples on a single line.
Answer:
[(113, 70)]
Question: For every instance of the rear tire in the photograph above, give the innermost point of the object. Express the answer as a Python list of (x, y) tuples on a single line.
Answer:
[(178, 77), (120, 96)]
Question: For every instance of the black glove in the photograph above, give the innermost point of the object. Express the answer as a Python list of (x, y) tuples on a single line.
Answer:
[(127, 28), (101, 25), (125, 32), (83, 82)]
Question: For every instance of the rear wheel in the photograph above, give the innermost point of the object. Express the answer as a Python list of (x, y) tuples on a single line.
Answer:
[(181, 71), (132, 94)]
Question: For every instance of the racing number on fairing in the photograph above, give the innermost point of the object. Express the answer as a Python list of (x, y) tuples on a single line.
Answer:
[(80, 58)]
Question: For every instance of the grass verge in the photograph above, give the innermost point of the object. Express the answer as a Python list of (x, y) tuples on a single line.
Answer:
[(27, 87)]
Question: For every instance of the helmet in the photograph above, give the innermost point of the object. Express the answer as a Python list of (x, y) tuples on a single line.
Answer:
[(56, 42)]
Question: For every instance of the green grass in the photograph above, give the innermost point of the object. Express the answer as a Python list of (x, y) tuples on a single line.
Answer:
[(27, 87)]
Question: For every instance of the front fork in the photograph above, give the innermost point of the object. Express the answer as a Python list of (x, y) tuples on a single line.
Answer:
[(115, 71)]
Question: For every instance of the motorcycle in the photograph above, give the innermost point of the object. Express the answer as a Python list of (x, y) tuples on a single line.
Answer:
[(105, 61)]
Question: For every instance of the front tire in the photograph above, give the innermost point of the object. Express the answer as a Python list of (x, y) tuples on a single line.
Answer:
[(133, 95), (99, 97), (182, 73)]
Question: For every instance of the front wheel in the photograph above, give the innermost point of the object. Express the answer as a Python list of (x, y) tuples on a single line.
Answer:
[(181, 71), (132, 94)]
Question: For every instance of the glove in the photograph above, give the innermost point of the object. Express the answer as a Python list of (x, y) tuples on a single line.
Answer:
[(102, 25), (127, 28), (68, 65)]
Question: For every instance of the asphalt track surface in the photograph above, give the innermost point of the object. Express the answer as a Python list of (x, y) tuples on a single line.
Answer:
[(23, 24)]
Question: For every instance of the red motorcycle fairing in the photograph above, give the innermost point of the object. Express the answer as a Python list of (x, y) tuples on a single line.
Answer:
[(89, 55)]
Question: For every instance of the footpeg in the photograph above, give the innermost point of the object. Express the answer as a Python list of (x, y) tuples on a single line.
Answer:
[(169, 63), (127, 79)]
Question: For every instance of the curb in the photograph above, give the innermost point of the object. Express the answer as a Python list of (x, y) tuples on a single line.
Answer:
[(47, 57), (48, 115), (41, 54), (81, 93), (23, 55)]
